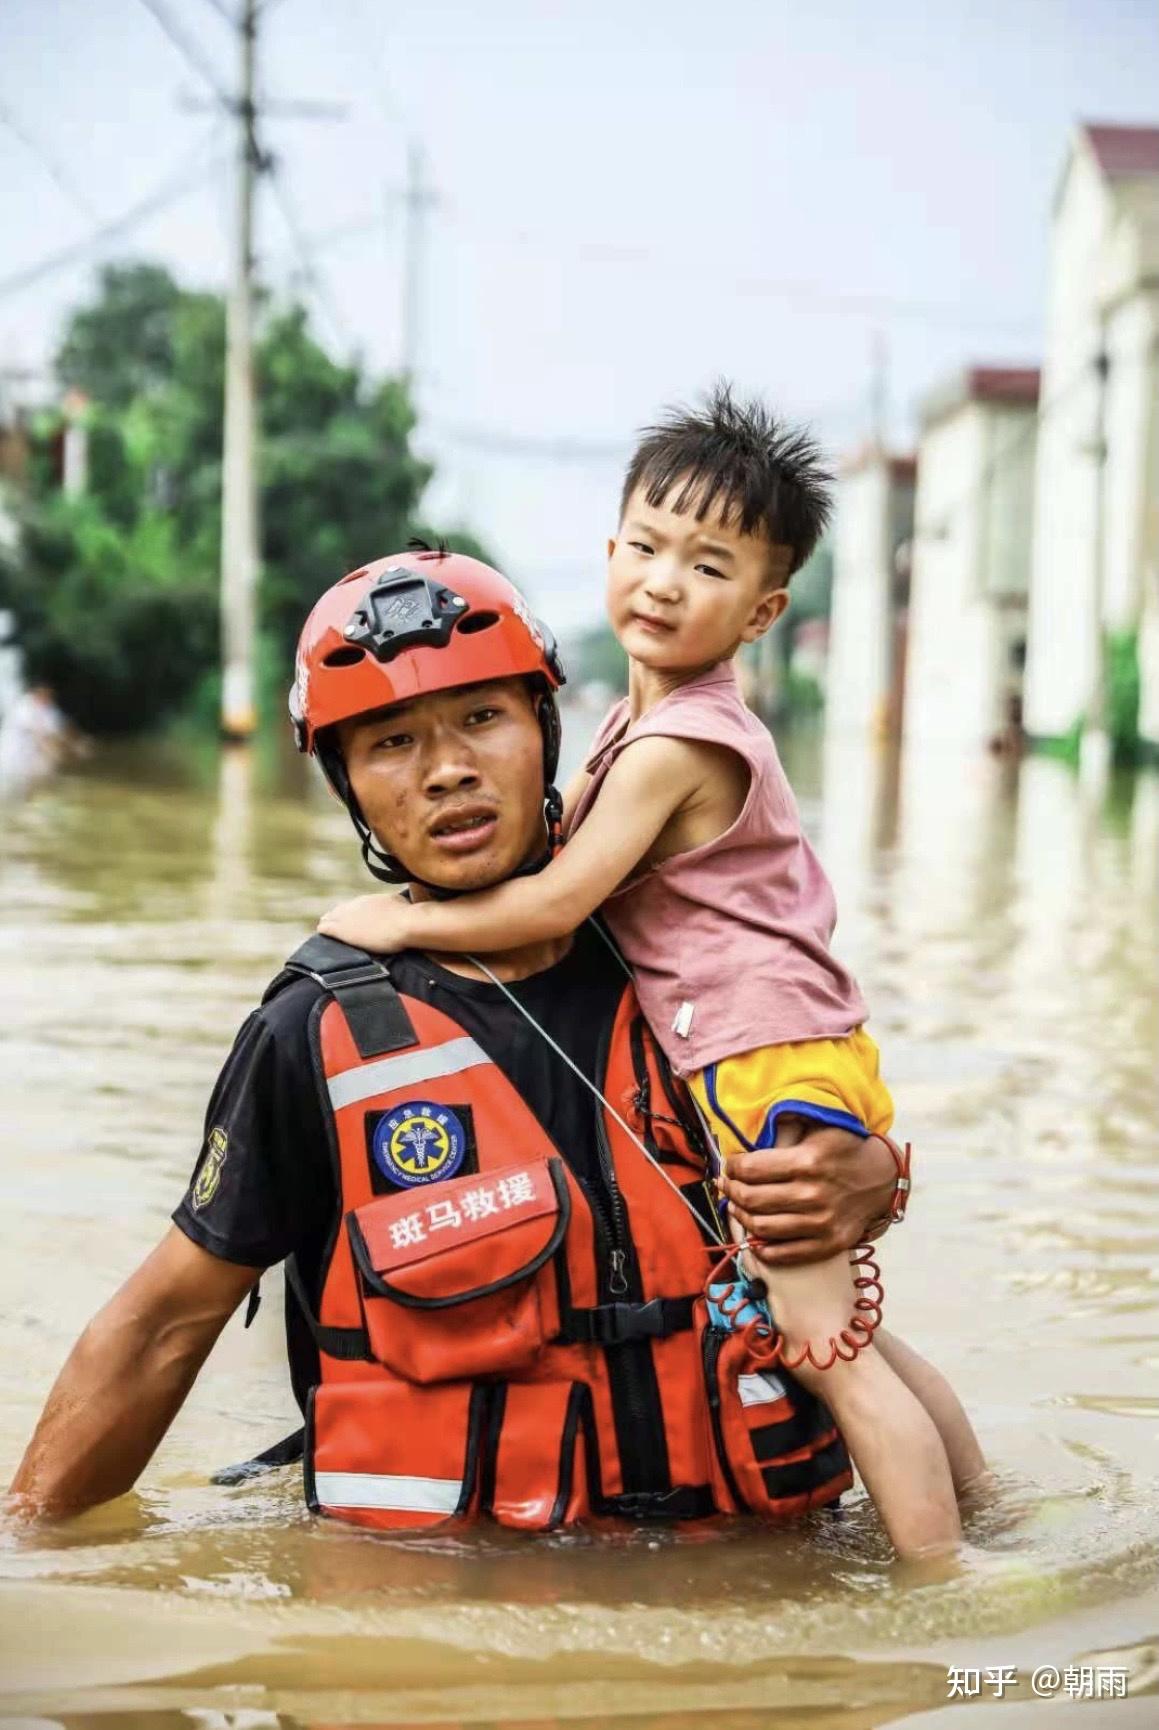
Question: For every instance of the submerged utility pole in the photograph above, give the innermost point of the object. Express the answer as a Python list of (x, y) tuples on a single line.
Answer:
[(239, 505), (1095, 742)]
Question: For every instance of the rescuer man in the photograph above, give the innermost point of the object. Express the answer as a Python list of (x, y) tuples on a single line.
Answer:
[(491, 1197)]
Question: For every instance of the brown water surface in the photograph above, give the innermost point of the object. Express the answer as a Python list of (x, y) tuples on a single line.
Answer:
[(1005, 928)]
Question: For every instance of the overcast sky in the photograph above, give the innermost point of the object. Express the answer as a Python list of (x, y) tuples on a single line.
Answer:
[(631, 198)]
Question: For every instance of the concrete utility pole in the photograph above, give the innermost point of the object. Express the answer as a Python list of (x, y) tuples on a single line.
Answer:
[(240, 541), (879, 391), (419, 198)]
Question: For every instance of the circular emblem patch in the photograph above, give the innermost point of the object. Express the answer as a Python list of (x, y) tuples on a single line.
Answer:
[(418, 1143)]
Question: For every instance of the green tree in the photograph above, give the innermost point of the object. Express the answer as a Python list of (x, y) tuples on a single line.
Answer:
[(115, 593), (599, 657), (122, 346), (340, 483)]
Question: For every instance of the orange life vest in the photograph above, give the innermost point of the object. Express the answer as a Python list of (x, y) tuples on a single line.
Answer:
[(499, 1341)]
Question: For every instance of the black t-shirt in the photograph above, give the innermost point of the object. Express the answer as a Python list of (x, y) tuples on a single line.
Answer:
[(264, 1188)]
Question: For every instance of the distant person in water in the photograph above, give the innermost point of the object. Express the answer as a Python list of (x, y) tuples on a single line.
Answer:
[(685, 831), (36, 738)]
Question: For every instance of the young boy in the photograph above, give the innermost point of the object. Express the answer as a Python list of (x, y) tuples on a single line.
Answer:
[(684, 830)]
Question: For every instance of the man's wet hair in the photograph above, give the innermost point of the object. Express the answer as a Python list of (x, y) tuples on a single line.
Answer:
[(763, 475)]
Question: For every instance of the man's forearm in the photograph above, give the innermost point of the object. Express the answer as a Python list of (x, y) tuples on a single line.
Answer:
[(126, 1378), (812, 1200), (112, 1403)]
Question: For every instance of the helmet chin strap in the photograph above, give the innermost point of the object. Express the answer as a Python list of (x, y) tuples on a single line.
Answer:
[(387, 869)]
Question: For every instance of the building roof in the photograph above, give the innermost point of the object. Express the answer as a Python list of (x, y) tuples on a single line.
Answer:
[(1018, 384), (902, 467), (1123, 152), (1014, 386)]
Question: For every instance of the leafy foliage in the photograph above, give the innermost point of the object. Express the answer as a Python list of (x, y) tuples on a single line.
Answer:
[(1121, 649), (599, 658), (115, 592)]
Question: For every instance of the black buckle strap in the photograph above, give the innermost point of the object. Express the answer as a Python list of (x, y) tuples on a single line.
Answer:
[(287, 1452), (617, 1324), (351, 1344), (363, 989), (682, 1502)]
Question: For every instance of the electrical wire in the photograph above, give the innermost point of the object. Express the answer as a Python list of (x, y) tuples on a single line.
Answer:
[(169, 192), (311, 273), (804, 297), (64, 181), (190, 52)]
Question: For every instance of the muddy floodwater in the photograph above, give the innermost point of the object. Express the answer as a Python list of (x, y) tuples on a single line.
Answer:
[(1005, 927)]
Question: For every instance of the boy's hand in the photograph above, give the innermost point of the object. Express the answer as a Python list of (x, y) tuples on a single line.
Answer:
[(383, 923), (813, 1199)]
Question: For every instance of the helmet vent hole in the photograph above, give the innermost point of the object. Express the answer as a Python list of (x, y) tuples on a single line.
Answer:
[(347, 657), (477, 622)]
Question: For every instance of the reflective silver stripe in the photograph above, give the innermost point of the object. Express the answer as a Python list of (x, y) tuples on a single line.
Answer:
[(760, 1389), (380, 1490), (405, 1070)]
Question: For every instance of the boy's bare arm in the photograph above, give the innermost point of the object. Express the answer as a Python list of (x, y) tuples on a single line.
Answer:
[(572, 794), (646, 786), (126, 1379)]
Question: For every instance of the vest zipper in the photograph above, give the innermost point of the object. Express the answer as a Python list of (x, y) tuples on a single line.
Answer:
[(636, 1407), (619, 1260)]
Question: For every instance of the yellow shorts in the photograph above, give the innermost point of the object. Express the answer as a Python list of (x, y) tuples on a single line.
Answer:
[(834, 1081)]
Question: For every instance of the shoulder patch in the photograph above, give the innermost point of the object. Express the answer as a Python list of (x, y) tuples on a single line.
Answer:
[(208, 1179)]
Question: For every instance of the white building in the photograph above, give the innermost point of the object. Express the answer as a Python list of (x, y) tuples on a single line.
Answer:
[(971, 559), (1096, 513), (875, 507)]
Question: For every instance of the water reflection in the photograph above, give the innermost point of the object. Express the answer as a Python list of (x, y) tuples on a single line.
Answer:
[(1005, 930)]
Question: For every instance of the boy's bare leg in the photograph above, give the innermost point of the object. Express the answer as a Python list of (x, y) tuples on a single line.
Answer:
[(892, 1432), (892, 1438), (967, 1462)]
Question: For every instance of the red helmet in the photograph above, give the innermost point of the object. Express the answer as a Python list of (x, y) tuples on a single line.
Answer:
[(406, 626)]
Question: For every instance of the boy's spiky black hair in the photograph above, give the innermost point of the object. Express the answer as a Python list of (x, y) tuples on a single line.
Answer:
[(763, 475)]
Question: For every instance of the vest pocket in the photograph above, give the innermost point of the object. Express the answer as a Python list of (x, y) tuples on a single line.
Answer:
[(774, 1449), (457, 1280), (539, 1455), (395, 1458)]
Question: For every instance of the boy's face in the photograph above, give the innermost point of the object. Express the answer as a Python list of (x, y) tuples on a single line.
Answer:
[(684, 593)]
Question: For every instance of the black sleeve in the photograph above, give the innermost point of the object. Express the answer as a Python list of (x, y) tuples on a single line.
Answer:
[(263, 1182)]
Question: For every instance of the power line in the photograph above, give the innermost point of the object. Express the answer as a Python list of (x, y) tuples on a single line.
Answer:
[(262, 163), (803, 296), (48, 162), (311, 273), (596, 453), (190, 52), (173, 188)]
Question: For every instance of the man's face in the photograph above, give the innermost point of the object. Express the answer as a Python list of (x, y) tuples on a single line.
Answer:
[(684, 594), (452, 784)]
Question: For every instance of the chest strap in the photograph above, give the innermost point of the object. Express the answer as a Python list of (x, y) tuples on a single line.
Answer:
[(617, 1324), (603, 1325), (362, 987)]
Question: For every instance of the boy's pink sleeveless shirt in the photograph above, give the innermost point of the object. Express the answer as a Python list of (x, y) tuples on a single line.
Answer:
[(738, 928)]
